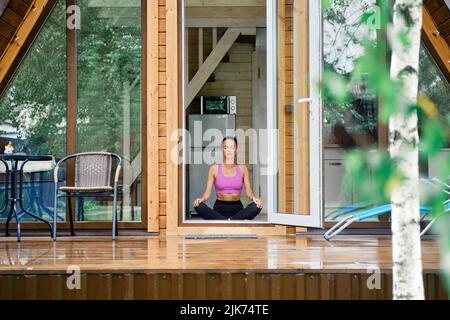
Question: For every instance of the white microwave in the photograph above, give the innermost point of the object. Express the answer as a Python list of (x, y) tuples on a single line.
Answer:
[(218, 104)]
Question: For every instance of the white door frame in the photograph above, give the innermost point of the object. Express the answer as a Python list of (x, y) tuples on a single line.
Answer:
[(315, 216)]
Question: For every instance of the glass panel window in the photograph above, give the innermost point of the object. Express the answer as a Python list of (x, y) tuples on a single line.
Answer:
[(33, 106), (33, 110), (434, 85), (109, 97), (352, 124)]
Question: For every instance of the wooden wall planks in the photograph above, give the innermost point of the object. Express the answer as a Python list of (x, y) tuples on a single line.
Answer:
[(209, 286)]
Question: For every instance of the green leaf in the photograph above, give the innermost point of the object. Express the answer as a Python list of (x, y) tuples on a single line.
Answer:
[(334, 86), (374, 172), (433, 137)]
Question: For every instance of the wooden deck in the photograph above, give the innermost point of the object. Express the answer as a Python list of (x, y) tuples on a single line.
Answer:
[(159, 267)]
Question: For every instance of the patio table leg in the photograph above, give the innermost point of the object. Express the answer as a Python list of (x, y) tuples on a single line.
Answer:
[(35, 216), (9, 217)]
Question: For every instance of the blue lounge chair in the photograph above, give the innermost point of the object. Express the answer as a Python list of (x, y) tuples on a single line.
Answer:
[(377, 211), (344, 210), (370, 213)]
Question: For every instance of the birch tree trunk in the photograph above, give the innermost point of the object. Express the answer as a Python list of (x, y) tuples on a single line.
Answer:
[(403, 146)]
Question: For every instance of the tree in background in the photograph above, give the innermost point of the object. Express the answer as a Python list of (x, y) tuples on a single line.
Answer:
[(34, 103), (108, 55)]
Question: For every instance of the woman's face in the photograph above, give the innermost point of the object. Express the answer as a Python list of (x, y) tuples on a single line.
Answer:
[(229, 149)]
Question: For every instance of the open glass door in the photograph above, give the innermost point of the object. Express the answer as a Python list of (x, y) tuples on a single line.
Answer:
[(294, 113)]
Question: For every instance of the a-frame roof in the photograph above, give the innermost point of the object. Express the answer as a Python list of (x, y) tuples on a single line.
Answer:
[(20, 21), (440, 13), (12, 13), (436, 32)]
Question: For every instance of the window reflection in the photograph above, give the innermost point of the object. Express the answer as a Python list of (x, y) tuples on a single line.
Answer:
[(33, 111), (352, 124), (109, 97)]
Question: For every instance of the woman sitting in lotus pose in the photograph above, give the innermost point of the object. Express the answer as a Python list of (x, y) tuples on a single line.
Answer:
[(228, 179)]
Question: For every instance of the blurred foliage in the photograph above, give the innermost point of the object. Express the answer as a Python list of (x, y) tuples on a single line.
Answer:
[(373, 170)]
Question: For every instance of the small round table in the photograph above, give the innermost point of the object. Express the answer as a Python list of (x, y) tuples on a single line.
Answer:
[(15, 164)]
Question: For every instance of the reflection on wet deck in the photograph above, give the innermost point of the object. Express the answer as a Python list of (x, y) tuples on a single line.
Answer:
[(346, 254)]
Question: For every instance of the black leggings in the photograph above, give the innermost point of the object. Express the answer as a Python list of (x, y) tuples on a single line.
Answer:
[(224, 210)]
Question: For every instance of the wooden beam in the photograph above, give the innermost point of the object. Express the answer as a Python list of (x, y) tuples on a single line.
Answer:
[(436, 44), (151, 131), (441, 15), (172, 95), (248, 31), (11, 17), (210, 64), (3, 5), (256, 22), (433, 5), (22, 33)]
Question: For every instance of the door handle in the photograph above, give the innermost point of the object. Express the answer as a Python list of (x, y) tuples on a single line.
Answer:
[(290, 107), (304, 100)]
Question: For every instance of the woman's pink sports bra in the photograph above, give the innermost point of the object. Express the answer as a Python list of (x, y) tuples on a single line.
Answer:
[(225, 184)]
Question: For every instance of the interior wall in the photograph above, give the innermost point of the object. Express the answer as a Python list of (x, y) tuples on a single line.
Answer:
[(232, 77)]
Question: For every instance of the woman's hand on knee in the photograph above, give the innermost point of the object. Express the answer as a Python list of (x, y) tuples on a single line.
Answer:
[(197, 202), (258, 202)]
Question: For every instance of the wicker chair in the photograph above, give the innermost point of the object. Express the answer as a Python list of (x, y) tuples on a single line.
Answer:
[(93, 175), (122, 188)]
